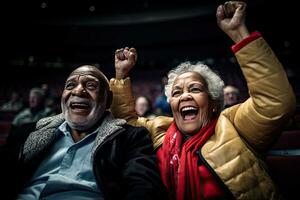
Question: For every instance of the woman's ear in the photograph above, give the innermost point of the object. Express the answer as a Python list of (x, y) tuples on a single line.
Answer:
[(213, 107)]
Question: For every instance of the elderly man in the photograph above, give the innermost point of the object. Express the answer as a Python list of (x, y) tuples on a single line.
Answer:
[(36, 110), (231, 96), (83, 153)]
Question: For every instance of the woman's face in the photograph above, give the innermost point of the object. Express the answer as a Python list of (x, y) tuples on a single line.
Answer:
[(190, 103), (141, 106)]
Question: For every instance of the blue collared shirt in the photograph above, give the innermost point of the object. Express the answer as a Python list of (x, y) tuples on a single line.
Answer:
[(66, 172)]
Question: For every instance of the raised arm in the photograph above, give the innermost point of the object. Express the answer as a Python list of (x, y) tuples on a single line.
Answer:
[(123, 101), (258, 120)]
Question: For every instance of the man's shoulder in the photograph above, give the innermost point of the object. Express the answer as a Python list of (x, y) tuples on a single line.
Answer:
[(24, 112), (22, 116), (50, 121), (135, 131), (129, 127)]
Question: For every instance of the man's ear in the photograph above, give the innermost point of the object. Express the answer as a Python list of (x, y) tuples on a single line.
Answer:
[(109, 99)]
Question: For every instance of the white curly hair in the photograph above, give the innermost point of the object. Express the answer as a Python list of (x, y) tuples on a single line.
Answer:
[(214, 83)]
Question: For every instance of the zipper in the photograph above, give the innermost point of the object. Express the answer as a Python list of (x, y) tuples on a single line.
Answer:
[(228, 193)]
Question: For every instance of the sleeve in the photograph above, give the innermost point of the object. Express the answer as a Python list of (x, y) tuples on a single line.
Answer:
[(141, 175), (123, 107), (259, 120)]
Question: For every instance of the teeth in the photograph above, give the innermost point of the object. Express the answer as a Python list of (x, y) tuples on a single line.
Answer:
[(79, 105), (188, 108)]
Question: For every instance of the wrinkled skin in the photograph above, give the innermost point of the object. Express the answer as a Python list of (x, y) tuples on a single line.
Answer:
[(85, 98), (190, 103)]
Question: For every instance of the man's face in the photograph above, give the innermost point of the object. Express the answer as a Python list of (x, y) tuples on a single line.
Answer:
[(35, 100), (84, 98), (230, 95)]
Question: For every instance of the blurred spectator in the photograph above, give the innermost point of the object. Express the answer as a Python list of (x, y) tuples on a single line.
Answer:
[(143, 107), (36, 110), (49, 99), (14, 104), (231, 96), (162, 107)]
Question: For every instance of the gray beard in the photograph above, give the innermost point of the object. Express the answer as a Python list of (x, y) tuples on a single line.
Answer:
[(78, 127), (82, 126)]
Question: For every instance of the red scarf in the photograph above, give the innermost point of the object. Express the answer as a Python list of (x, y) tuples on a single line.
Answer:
[(178, 163)]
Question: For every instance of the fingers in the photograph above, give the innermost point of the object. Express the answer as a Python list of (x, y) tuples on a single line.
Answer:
[(126, 53), (231, 7), (228, 9), (240, 13), (133, 54), (220, 13), (241, 9), (119, 55), (241, 5)]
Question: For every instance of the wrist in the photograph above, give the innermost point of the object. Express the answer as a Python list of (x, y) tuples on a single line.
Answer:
[(121, 74), (240, 34)]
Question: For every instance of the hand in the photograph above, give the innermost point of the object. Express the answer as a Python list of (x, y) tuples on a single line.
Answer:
[(125, 59), (231, 19)]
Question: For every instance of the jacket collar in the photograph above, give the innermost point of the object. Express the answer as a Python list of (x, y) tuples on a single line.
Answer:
[(46, 132), (108, 127)]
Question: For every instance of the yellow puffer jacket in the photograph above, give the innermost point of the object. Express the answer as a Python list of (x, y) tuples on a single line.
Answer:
[(242, 131)]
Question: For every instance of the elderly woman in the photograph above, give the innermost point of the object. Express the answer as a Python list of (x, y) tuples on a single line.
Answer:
[(202, 153)]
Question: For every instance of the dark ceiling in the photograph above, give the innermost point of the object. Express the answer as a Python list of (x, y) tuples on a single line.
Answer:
[(164, 32)]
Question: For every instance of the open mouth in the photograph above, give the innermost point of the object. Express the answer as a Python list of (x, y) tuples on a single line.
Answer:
[(189, 112), (79, 106)]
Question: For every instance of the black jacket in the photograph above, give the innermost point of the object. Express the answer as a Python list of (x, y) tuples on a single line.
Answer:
[(124, 162)]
